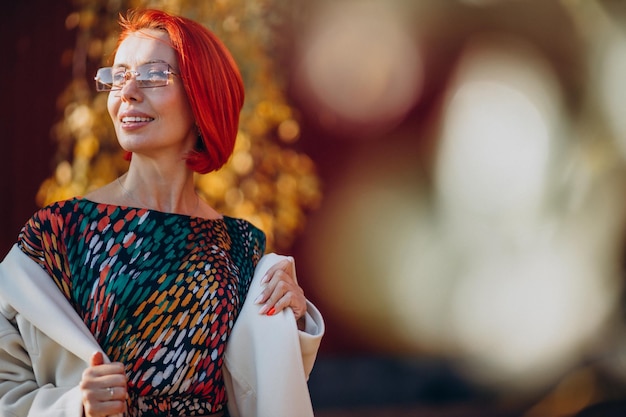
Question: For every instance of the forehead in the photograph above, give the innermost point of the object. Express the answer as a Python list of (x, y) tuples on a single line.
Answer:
[(144, 46)]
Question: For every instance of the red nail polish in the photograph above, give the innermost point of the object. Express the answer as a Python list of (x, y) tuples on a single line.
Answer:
[(271, 311)]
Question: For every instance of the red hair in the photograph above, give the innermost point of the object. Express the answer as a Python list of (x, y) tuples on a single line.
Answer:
[(211, 79)]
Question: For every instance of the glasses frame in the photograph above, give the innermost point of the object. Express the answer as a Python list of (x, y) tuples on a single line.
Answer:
[(102, 86)]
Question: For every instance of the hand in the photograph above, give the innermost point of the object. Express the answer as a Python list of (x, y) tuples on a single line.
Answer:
[(104, 388), (281, 290)]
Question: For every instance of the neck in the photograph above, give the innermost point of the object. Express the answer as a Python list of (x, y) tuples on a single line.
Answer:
[(169, 192)]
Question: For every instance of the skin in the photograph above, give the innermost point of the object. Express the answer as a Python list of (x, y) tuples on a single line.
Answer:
[(159, 179)]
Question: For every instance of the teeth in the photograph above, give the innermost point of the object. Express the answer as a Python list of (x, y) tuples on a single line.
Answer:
[(135, 119)]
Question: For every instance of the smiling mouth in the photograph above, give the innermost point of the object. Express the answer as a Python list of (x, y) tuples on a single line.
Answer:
[(134, 119)]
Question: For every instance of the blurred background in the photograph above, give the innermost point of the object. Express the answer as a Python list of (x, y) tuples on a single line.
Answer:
[(449, 175)]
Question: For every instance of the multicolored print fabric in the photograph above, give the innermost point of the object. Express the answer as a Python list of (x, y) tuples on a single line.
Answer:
[(159, 291)]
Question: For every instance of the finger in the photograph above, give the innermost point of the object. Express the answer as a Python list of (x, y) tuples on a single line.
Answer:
[(114, 393), (105, 405), (105, 370), (96, 359), (274, 291), (276, 278), (286, 266), (296, 302), (103, 374), (281, 304), (284, 295)]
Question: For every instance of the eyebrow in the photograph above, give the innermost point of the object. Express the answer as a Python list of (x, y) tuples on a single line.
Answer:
[(152, 61)]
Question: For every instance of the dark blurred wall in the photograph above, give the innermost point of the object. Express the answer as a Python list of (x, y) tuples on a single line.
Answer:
[(34, 38)]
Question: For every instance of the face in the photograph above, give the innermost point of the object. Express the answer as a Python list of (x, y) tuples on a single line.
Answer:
[(158, 121)]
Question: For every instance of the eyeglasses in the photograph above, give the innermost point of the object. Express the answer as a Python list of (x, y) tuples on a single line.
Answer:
[(154, 74)]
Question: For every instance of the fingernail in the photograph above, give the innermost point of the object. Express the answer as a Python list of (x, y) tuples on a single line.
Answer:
[(263, 309), (264, 279), (271, 311), (258, 299)]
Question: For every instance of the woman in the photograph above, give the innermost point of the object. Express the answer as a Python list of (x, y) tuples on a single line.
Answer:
[(124, 301)]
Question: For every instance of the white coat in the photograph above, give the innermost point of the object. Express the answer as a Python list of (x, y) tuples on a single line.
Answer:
[(45, 347)]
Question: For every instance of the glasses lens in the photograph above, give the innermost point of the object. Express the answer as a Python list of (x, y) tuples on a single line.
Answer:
[(104, 79), (156, 74), (118, 77)]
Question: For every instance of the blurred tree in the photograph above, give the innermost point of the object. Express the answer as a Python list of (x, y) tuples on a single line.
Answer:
[(267, 181)]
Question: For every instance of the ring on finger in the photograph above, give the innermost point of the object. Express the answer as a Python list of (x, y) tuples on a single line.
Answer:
[(111, 391)]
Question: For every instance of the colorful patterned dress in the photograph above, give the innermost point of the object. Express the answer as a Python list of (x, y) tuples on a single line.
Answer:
[(159, 291)]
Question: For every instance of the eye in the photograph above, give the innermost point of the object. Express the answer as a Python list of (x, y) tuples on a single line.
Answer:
[(118, 76), (155, 72)]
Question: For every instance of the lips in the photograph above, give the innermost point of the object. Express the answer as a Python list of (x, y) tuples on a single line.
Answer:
[(131, 120)]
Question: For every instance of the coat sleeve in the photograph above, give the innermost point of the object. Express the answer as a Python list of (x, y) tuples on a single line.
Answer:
[(44, 345), (311, 337), (21, 395), (268, 360)]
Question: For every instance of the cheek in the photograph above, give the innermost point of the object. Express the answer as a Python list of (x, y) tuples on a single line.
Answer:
[(181, 111), (180, 102), (113, 105)]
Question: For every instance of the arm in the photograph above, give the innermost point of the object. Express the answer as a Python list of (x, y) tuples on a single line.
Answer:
[(20, 392), (52, 387), (44, 345)]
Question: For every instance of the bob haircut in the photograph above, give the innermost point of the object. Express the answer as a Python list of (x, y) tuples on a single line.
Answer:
[(211, 79)]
